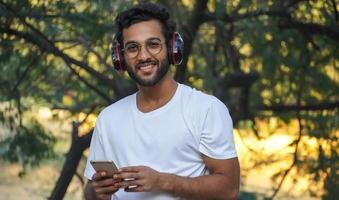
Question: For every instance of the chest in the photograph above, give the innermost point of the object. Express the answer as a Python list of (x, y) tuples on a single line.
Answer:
[(152, 139), (163, 131)]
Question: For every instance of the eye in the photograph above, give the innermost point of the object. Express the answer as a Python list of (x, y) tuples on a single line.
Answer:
[(132, 48), (153, 44)]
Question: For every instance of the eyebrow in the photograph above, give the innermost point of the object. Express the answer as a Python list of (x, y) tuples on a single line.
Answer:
[(149, 39)]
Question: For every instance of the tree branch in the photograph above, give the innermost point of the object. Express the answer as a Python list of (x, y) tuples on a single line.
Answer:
[(298, 115), (312, 28), (79, 107), (42, 15), (24, 74), (208, 16), (294, 3), (96, 90), (39, 39), (80, 177), (314, 107), (87, 115), (240, 79), (189, 35), (73, 158), (100, 58), (336, 15)]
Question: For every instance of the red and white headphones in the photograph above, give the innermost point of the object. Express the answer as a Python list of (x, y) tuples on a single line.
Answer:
[(175, 52)]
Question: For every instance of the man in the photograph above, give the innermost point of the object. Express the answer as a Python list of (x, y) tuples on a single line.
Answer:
[(168, 140)]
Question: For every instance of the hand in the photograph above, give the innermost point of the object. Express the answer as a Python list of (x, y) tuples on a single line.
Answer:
[(103, 186), (144, 179)]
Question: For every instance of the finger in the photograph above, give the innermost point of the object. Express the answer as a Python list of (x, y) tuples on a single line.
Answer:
[(117, 180), (103, 182), (131, 169), (129, 183), (135, 189), (99, 175), (127, 175)]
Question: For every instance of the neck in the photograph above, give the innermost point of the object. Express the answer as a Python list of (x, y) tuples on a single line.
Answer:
[(150, 98), (161, 90)]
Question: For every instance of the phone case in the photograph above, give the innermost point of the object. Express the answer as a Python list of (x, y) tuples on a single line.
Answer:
[(107, 166)]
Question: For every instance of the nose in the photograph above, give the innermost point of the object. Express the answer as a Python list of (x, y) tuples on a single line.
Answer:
[(143, 53)]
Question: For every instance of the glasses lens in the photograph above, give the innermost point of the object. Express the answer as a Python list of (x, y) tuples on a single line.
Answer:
[(153, 47), (132, 50)]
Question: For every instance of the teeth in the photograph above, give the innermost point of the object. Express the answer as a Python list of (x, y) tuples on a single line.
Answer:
[(146, 66)]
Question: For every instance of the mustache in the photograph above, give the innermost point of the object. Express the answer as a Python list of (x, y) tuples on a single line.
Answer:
[(148, 62)]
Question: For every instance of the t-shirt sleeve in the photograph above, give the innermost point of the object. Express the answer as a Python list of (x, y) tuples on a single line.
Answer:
[(95, 151), (216, 139)]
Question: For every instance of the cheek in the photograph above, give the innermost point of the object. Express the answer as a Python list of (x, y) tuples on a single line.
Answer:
[(164, 52), (128, 62), (162, 55)]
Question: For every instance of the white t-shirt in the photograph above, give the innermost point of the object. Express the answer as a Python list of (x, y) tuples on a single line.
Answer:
[(169, 139)]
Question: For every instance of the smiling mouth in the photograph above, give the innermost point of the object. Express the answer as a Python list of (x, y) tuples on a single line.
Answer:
[(146, 66)]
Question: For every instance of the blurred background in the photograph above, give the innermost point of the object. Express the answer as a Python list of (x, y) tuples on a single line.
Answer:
[(273, 63)]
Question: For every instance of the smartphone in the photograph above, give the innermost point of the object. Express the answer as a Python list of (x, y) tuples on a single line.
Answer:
[(107, 166)]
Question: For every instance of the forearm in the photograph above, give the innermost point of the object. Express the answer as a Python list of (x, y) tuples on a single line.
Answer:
[(214, 186)]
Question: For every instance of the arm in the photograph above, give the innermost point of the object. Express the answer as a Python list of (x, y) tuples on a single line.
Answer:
[(222, 183)]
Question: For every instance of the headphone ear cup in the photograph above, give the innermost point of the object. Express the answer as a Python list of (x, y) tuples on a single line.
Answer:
[(176, 50), (117, 57)]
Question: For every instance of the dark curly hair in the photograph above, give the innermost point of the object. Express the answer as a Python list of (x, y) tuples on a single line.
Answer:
[(145, 12)]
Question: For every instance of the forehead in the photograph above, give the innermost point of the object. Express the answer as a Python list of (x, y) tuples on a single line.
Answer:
[(142, 31)]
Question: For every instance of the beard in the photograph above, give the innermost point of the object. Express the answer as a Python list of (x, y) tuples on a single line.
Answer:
[(163, 67)]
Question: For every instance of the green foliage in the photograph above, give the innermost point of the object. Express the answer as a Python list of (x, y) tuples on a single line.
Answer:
[(29, 146), (247, 196)]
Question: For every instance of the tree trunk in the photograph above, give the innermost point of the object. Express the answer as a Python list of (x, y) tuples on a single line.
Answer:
[(188, 36), (73, 157)]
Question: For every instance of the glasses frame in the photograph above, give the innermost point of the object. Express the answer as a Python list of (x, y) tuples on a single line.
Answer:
[(161, 43)]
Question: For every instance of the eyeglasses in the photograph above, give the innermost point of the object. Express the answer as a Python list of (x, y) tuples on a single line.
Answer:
[(153, 46)]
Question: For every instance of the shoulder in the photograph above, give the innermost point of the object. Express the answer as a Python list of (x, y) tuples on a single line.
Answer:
[(200, 100)]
